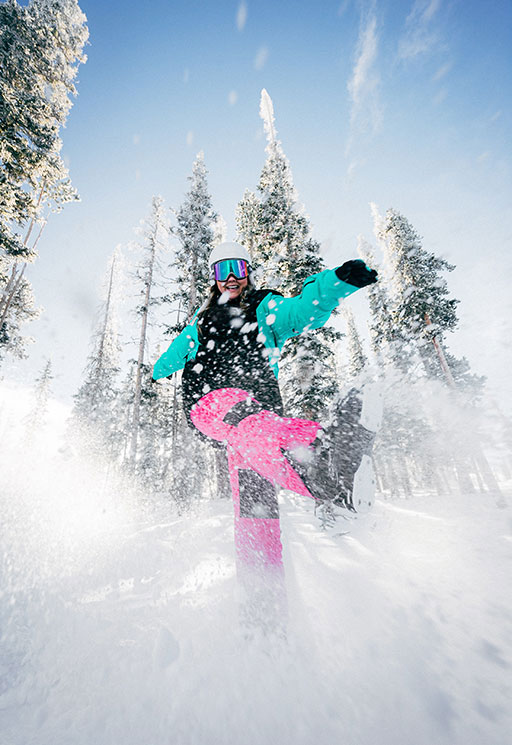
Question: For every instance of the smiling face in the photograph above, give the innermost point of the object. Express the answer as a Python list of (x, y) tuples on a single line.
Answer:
[(232, 285)]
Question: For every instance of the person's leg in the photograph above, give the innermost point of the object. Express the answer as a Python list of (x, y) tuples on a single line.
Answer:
[(327, 464), (259, 437), (257, 530)]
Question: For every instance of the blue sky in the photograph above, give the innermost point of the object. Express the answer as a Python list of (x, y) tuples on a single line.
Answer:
[(405, 104)]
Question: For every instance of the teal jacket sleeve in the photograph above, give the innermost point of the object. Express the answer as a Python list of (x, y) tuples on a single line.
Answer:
[(182, 348), (285, 317)]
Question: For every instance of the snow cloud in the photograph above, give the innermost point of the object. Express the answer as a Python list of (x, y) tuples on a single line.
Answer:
[(241, 16), (363, 86), (420, 35), (261, 58)]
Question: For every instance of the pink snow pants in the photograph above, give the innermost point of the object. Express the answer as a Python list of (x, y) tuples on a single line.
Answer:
[(257, 444)]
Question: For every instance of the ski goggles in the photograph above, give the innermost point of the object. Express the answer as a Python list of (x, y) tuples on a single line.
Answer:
[(238, 267)]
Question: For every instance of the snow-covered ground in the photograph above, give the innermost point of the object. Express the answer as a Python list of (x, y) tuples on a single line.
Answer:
[(120, 622)]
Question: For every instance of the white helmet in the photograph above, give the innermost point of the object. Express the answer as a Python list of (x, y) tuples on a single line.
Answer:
[(228, 251)]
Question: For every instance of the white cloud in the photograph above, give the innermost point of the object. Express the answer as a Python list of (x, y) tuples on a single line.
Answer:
[(351, 169), (190, 138), (432, 6), (419, 36), (362, 77), (440, 97), (364, 83), (136, 139), (442, 71), (186, 75), (232, 98), (241, 16), (343, 7), (261, 58)]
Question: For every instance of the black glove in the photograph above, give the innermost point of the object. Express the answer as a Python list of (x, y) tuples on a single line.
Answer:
[(356, 273)]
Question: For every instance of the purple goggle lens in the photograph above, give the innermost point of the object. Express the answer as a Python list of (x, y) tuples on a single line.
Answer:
[(238, 267)]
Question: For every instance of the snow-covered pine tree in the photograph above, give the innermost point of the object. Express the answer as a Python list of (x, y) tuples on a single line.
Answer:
[(41, 46), (468, 383), (36, 418), (380, 323), (248, 227), (168, 462), (406, 445), (154, 240), (155, 434), (94, 419), (220, 231), (421, 313), (193, 465), (198, 229), (356, 358), (196, 226), (20, 309), (276, 231), (123, 413), (421, 310)]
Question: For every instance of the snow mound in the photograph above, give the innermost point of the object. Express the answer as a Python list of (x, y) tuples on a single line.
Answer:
[(122, 622)]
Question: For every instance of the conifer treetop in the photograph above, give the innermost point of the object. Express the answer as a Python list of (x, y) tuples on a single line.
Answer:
[(267, 114)]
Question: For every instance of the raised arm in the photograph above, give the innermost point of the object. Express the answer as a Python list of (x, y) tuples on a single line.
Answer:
[(180, 349), (320, 295)]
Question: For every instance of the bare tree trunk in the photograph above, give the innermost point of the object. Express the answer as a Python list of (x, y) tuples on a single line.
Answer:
[(101, 348), (440, 353), (404, 477), (436, 477), (107, 312), (142, 344), (174, 429), (465, 483), (10, 291), (14, 281), (192, 296), (488, 476), (478, 475)]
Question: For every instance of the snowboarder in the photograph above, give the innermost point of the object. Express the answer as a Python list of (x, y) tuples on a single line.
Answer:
[(229, 354)]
